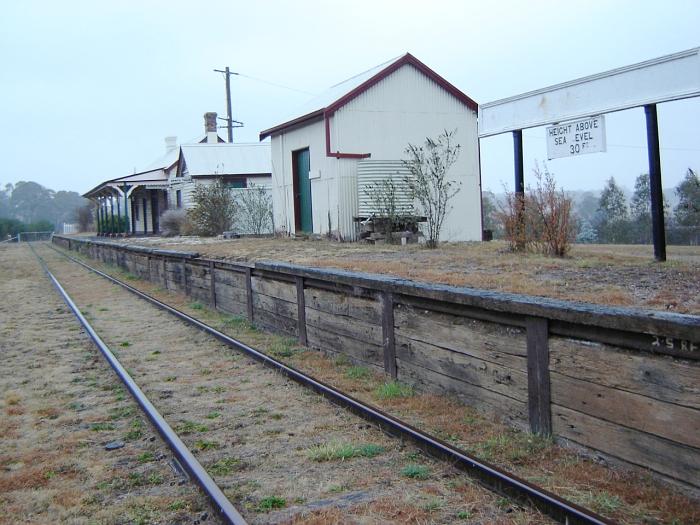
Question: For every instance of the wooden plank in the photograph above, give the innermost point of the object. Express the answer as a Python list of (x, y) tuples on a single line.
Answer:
[(301, 311), (360, 351), (388, 334), (463, 367), (369, 310), (659, 377), (249, 293), (274, 305), (643, 413), (360, 330), (505, 408), (282, 290), (538, 381), (275, 323), (165, 273), (212, 284), (230, 278), (484, 340), (230, 293), (666, 457)]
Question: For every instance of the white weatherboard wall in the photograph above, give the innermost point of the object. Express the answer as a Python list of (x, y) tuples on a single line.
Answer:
[(405, 107)]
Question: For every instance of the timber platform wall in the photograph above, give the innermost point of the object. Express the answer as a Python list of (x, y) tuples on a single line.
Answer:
[(621, 381)]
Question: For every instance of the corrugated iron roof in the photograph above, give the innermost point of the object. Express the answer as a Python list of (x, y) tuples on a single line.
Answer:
[(336, 96), (226, 159)]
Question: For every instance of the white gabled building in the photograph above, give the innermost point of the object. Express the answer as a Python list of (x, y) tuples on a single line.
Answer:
[(357, 131)]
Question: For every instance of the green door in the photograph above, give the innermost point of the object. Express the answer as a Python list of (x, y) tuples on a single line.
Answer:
[(304, 218)]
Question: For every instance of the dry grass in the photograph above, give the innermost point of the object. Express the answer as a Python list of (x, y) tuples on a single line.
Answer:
[(622, 275)]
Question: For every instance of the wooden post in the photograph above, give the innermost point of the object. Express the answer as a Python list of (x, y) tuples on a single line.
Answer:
[(249, 293), (184, 276), (387, 300), (655, 191), (165, 277), (538, 384), (212, 285), (148, 266), (301, 311)]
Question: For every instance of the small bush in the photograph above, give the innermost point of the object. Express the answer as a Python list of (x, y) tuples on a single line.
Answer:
[(415, 471), (174, 222), (270, 503), (214, 209), (394, 389), (539, 220)]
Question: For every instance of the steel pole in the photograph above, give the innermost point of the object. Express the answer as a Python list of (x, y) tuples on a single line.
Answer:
[(655, 190), (519, 189)]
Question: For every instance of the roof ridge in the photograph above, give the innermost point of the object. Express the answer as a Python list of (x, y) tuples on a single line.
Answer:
[(390, 61)]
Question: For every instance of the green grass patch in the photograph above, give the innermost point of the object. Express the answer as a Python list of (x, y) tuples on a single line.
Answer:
[(101, 427), (121, 412), (178, 504), (516, 447), (213, 415), (136, 431), (155, 478), (393, 390), (206, 445), (270, 503), (146, 457), (414, 471), (225, 466), (125, 344), (190, 427), (358, 372), (464, 515), (196, 305), (170, 379), (340, 451)]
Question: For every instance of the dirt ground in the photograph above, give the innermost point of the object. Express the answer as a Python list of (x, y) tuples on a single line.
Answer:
[(60, 405), (620, 275), (280, 452), (623, 494)]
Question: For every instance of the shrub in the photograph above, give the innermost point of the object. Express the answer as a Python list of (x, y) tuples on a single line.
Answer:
[(254, 210), (174, 222), (428, 183), (214, 209), (540, 219)]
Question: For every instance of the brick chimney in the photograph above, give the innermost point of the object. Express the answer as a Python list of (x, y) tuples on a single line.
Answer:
[(170, 144), (210, 127)]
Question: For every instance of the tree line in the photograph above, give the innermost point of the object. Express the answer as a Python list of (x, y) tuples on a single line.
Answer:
[(611, 218), (29, 206)]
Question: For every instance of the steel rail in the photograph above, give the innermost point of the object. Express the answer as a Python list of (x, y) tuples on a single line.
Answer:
[(492, 477), (221, 503)]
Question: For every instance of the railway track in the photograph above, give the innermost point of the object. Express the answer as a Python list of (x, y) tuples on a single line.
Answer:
[(490, 476)]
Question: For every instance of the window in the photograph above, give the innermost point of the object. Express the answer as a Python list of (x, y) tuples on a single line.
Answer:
[(235, 184), (178, 198)]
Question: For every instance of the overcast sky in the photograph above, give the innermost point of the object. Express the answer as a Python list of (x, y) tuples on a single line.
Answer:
[(88, 90)]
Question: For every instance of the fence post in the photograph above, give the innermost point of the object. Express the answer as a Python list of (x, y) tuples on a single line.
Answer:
[(387, 300), (249, 292), (212, 285), (184, 276), (165, 275), (301, 311), (538, 383)]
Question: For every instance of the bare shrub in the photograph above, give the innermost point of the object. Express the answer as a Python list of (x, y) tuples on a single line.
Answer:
[(175, 222), (539, 220), (429, 165), (214, 209), (382, 198), (254, 210)]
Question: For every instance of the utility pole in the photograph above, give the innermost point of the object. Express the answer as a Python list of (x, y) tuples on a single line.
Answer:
[(229, 118)]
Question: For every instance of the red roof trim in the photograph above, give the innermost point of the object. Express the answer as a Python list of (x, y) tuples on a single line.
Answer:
[(300, 120), (404, 60)]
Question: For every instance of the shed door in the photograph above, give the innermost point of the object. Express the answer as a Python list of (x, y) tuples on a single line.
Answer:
[(302, 191)]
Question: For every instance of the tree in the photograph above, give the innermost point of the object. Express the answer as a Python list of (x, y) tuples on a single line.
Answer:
[(428, 183), (254, 210), (382, 198), (687, 212), (586, 233), (31, 202), (84, 217), (613, 215), (490, 214), (214, 208), (640, 208)]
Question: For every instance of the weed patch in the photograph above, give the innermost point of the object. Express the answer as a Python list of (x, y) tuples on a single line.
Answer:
[(339, 451), (190, 427), (357, 372), (270, 503), (225, 466), (393, 390), (415, 471)]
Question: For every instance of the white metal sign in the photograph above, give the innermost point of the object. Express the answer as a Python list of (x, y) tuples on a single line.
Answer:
[(570, 139)]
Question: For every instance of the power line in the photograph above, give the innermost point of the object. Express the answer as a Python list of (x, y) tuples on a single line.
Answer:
[(274, 84)]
